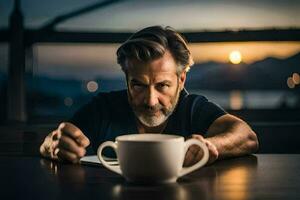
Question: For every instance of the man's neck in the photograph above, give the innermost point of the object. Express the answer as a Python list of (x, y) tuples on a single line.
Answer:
[(145, 129)]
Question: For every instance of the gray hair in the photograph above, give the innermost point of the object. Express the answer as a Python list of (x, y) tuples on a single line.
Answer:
[(151, 43)]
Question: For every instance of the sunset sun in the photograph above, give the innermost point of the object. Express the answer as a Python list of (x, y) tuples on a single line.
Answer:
[(235, 57)]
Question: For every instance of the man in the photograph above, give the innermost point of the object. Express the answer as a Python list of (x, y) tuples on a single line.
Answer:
[(155, 61)]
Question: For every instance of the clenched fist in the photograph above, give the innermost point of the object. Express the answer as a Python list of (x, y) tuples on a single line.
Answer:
[(66, 143)]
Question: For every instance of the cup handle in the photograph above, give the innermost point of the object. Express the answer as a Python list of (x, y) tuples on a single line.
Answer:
[(200, 163), (113, 145)]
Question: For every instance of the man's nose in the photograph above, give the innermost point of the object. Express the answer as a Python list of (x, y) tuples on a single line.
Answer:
[(151, 97)]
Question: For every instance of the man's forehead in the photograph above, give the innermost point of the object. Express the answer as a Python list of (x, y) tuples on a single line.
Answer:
[(148, 74)]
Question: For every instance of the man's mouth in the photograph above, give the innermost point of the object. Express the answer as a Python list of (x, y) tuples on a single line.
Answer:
[(152, 112)]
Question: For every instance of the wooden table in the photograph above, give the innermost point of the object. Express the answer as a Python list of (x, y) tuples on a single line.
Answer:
[(262, 176)]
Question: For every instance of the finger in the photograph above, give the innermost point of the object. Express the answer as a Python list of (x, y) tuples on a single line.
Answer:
[(209, 145), (214, 153), (55, 152), (212, 147), (74, 132), (56, 134), (199, 137), (55, 144), (46, 147), (43, 150), (69, 144), (54, 149), (67, 156)]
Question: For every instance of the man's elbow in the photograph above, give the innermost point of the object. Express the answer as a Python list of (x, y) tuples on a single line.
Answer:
[(252, 143)]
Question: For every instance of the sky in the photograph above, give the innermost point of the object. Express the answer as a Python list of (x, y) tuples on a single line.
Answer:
[(180, 14), (84, 61)]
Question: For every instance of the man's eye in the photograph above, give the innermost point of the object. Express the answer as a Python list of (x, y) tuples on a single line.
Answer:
[(137, 86), (163, 86)]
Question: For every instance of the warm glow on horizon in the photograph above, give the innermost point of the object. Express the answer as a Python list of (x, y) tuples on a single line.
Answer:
[(250, 51), (89, 61), (235, 57)]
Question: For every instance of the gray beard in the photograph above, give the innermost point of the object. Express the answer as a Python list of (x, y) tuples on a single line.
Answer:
[(153, 121)]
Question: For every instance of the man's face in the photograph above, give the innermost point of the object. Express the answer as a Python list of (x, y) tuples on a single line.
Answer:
[(153, 89)]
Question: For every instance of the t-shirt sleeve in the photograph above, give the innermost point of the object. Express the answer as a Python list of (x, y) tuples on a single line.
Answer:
[(204, 113)]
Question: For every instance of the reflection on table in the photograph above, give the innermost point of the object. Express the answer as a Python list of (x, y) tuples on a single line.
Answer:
[(250, 177)]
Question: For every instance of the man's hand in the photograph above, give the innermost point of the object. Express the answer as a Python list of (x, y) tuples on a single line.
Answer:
[(66, 143), (195, 153)]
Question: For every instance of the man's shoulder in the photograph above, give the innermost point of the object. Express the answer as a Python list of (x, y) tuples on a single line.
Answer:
[(187, 98), (197, 97), (197, 104), (112, 96), (109, 100), (195, 114)]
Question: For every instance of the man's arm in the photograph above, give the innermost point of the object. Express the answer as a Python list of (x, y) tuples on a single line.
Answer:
[(228, 136), (232, 137), (66, 143)]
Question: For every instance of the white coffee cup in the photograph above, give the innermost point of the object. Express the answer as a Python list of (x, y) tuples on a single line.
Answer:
[(152, 158)]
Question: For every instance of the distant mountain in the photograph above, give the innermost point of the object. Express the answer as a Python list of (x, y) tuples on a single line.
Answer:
[(269, 73)]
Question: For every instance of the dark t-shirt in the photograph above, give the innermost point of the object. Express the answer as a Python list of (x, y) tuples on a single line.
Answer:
[(109, 115)]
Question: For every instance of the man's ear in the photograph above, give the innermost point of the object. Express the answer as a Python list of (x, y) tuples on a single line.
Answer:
[(182, 79)]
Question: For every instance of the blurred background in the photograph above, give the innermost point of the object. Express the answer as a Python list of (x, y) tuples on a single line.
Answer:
[(56, 55)]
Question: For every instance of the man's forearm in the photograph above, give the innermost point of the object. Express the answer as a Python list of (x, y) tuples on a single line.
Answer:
[(238, 139)]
